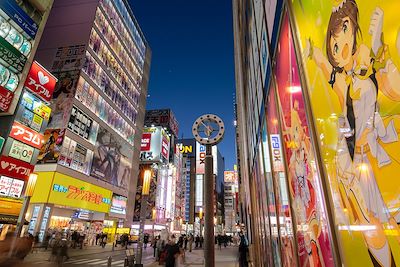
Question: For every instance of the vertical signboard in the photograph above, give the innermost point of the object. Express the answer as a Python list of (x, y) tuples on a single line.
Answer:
[(351, 56)]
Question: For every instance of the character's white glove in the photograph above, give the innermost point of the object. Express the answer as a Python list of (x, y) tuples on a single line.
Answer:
[(375, 29), (307, 52)]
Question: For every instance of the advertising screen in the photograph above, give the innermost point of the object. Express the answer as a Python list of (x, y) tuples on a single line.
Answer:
[(52, 144), (201, 156), (111, 160), (351, 57), (10, 187), (155, 145), (118, 204), (75, 156)]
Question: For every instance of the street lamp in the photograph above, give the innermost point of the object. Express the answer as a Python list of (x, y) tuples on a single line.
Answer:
[(201, 221), (30, 187), (143, 209)]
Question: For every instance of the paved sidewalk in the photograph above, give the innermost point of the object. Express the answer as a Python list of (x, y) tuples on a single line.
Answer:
[(226, 257), (89, 250)]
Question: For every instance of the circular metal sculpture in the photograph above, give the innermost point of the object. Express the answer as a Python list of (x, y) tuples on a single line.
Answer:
[(208, 129)]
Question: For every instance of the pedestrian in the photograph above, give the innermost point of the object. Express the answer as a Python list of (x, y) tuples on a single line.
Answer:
[(103, 240), (145, 240), (154, 245), (98, 235), (81, 240), (190, 242), (219, 240), (243, 250), (173, 253), (201, 241), (180, 241), (197, 241), (186, 241), (225, 240)]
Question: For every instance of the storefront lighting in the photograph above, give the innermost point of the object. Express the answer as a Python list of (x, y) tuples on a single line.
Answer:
[(153, 213), (363, 167), (357, 227), (146, 182), (294, 89), (201, 213), (30, 187)]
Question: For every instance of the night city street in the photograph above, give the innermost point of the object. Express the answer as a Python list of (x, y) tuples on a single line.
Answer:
[(216, 133)]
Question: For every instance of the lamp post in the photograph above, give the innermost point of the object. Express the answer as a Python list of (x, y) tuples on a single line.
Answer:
[(30, 187), (143, 210), (208, 130), (201, 220)]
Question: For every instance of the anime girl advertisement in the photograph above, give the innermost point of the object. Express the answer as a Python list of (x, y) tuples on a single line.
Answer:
[(312, 234), (351, 51)]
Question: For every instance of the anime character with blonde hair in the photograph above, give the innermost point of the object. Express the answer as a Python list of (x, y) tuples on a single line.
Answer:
[(357, 73), (302, 185)]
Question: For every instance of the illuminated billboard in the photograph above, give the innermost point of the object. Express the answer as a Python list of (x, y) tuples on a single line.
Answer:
[(155, 145)]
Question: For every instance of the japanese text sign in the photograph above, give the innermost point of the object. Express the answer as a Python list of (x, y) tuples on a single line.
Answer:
[(6, 98), (146, 142), (15, 168), (40, 81), (26, 135), (76, 193)]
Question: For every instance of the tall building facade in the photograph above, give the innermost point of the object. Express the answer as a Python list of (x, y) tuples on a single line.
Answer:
[(231, 201), (194, 175), (161, 157), (21, 28), (88, 166), (317, 102)]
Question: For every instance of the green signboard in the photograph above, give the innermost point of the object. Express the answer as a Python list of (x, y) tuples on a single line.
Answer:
[(11, 56), (1, 143)]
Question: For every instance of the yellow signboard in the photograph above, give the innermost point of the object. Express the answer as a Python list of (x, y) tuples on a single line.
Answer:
[(123, 230), (67, 191), (10, 206)]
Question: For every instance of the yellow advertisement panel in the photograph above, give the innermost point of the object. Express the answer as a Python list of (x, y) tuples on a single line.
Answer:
[(71, 192), (9, 206), (351, 53)]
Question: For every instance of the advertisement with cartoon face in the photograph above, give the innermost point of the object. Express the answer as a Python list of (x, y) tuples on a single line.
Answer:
[(351, 53)]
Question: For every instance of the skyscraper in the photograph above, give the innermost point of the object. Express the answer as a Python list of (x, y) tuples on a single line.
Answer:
[(89, 162)]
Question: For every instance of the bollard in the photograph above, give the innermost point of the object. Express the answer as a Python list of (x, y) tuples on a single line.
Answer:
[(109, 260), (112, 247)]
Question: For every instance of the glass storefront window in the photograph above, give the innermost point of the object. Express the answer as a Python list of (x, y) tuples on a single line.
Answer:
[(312, 229), (277, 183)]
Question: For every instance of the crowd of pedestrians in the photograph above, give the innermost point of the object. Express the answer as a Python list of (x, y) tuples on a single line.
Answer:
[(171, 252)]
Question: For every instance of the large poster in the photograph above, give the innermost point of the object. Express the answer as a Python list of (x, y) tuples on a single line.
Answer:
[(112, 159), (312, 229), (51, 147), (351, 50)]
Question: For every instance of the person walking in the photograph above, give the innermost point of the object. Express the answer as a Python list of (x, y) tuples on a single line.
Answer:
[(98, 235), (145, 240), (173, 253), (191, 242), (219, 240), (186, 241), (154, 245), (243, 249)]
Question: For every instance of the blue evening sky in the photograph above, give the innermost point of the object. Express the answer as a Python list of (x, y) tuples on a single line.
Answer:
[(192, 68)]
